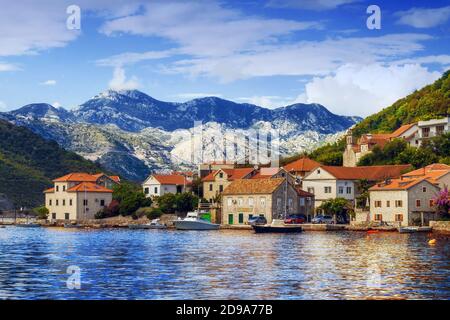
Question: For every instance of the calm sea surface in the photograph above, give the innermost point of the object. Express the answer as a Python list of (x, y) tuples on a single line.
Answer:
[(228, 264)]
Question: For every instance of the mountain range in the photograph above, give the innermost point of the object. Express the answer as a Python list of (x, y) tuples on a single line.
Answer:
[(132, 134)]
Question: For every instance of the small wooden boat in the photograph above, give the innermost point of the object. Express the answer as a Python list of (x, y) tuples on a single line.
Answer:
[(372, 231), (277, 226), (72, 226), (28, 225)]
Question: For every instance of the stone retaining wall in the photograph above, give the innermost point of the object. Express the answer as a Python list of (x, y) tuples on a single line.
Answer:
[(440, 226)]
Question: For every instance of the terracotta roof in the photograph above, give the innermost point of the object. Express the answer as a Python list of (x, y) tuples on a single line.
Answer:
[(399, 184), (88, 187), (49, 190), (435, 168), (77, 177), (253, 186), (303, 193), (302, 164), (232, 174), (174, 179), (84, 177), (372, 173), (402, 130)]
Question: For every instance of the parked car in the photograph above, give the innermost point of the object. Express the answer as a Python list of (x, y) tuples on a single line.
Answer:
[(323, 219), (295, 219), (258, 220)]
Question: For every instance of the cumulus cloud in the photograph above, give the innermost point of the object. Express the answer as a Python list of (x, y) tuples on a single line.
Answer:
[(120, 81), (48, 83), (8, 67), (365, 89), (424, 18)]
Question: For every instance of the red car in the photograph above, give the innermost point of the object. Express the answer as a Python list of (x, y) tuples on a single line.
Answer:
[(295, 219)]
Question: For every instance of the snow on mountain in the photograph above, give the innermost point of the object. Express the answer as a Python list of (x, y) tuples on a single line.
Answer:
[(133, 134)]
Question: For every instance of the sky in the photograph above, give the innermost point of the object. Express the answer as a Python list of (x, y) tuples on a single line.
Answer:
[(270, 53)]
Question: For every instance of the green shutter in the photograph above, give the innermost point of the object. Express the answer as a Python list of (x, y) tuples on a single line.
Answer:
[(241, 218), (230, 219)]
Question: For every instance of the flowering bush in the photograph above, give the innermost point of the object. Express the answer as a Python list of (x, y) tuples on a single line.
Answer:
[(442, 202)]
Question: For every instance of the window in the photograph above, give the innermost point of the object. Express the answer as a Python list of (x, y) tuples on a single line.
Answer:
[(54, 215), (66, 216), (318, 171), (240, 201), (250, 202), (302, 202), (229, 201), (241, 218), (398, 203), (278, 202), (424, 189), (70, 202), (64, 202), (146, 190), (311, 190), (102, 202), (377, 204), (378, 217), (425, 132), (210, 187), (50, 202), (417, 203), (221, 188), (57, 188), (341, 190), (221, 175), (327, 189), (349, 190), (399, 217), (262, 201), (155, 190), (290, 206), (388, 203), (85, 202), (431, 203), (439, 130), (64, 188), (57, 202)]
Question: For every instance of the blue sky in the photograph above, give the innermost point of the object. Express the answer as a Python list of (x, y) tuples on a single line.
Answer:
[(271, 53)]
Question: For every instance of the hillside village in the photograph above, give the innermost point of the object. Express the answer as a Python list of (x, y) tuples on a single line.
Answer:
[(393, 195)]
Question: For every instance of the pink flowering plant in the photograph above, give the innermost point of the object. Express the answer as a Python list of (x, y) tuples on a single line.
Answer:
[(442, 202)]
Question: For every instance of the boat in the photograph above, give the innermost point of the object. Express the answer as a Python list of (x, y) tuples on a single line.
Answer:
[(414, 229), (154, 224), (70, 225), (277, 226), (192, 221), (28, 225)]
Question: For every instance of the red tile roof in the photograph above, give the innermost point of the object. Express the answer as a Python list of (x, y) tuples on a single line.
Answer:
[(49, 190), (253, 186), (399, 184), (372, 173), (433, 169), (88, 187), (302, 164), (173, 179), (303, 193), (84, 177), (402, 130)]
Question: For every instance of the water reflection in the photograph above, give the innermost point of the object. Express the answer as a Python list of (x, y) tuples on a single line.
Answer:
[(156, 264)]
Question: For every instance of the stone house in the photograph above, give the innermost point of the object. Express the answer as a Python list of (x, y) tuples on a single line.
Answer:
[(157, 185)]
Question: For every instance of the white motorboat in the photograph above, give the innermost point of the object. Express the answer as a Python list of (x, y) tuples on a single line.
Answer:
[(412, 229), (194, 222), (154, 224)]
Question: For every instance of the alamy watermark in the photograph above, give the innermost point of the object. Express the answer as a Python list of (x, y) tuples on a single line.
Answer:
[(74, 279), (73, 21)]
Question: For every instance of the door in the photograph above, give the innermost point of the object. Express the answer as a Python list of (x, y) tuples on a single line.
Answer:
[(230, 219), (241, 218)]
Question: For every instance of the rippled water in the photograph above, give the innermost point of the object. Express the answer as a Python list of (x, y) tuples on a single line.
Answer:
[(226, 264)]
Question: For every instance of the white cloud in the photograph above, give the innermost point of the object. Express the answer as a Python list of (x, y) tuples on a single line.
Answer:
[(424, 18), (270, 102), (194, 95), (128, 58), (48, 83), (309, 4), (365, 89), (56, 104), (8, 67), (120, 82)]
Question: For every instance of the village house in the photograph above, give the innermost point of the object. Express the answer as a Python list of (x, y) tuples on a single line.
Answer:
[(355, 151), (301, 167), (79, 196), (330, 182), (438, 172), (157, 185), (246, 198), (216, 182), (206, 168), (431, 128), (403, 201)]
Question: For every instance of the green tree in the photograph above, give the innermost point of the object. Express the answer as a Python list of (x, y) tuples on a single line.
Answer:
[(41, 212), (130, 198), (186, 202), (167, 202), (339, 208)]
